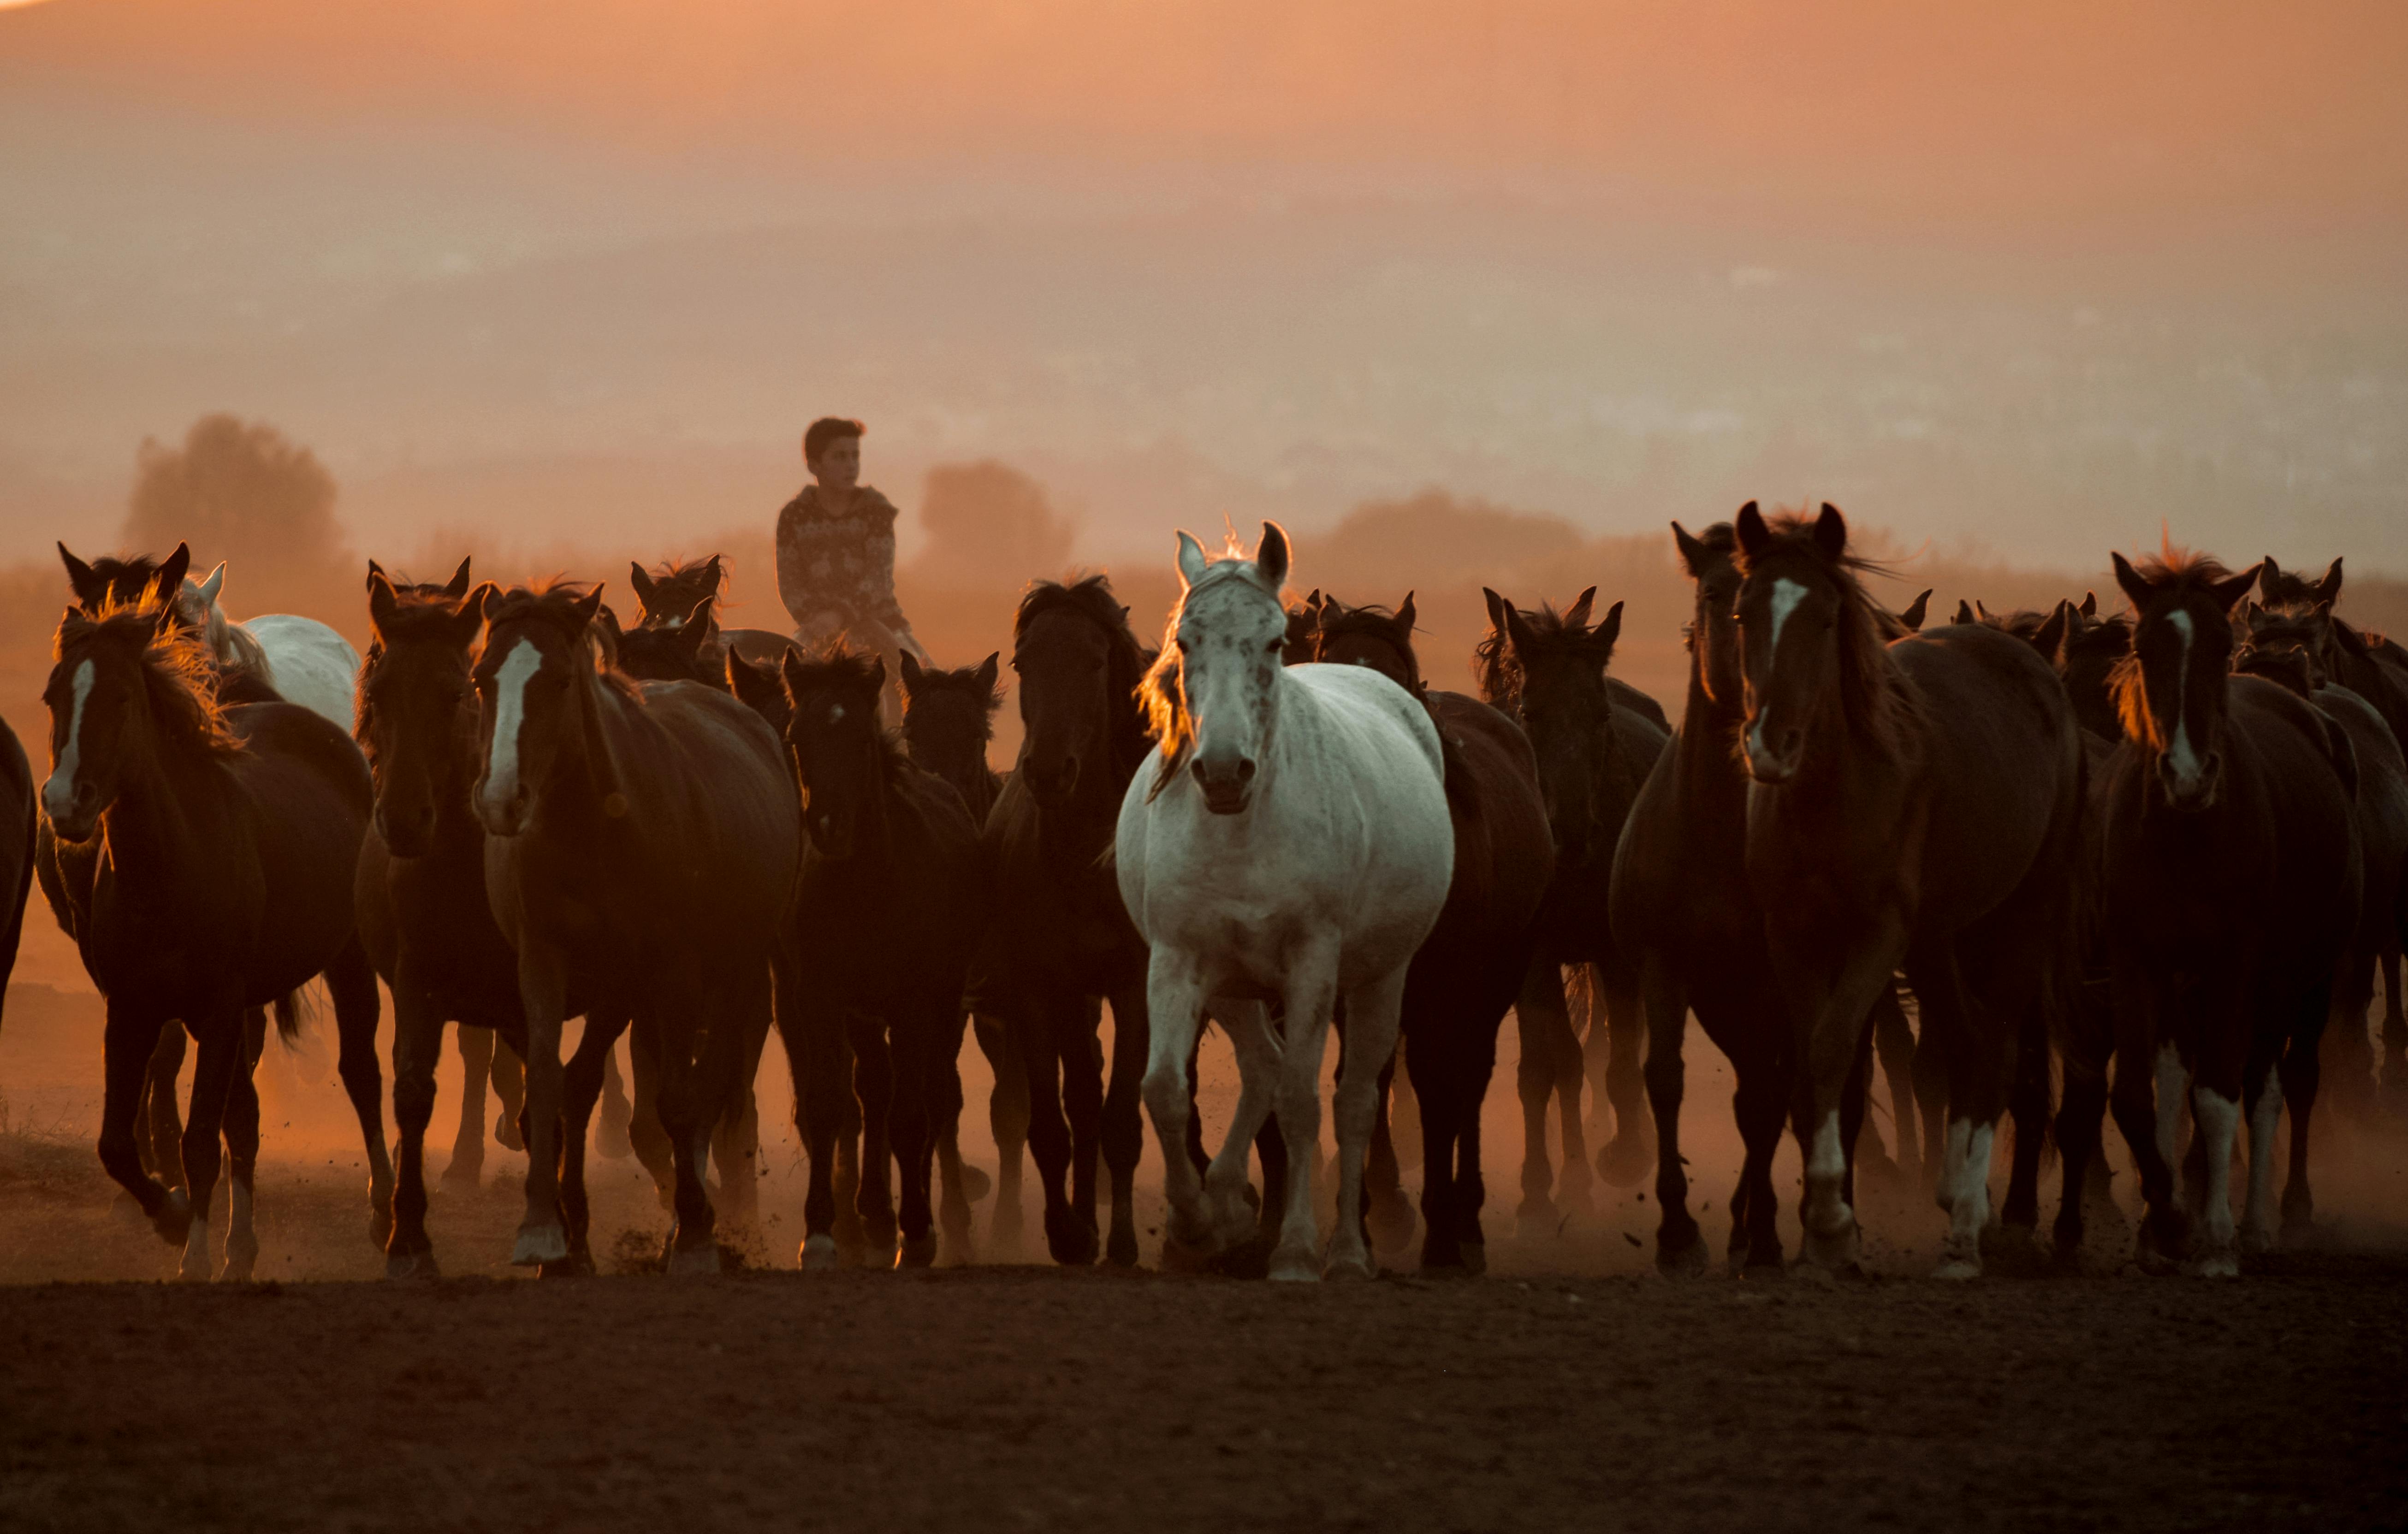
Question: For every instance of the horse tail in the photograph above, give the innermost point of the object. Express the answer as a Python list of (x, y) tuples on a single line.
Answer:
[(288, 1016)]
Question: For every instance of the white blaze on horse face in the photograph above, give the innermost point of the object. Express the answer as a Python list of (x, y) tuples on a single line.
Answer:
[(59, 793), (509, 720), (2179, 754), (1786, 595)]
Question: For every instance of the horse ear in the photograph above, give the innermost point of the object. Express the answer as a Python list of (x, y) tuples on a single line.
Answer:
[(382, 602), (690, 637), (753, 685), (88, 587), (457, 586), (210, 588), (2051, 636), (1518, 631), (585, 607), (2090, 607), (2273, 572), (608, 621), (169, 581), (878, 673), (2136, 591), (1271, 556), (1753, 534), (1577, 614), (789, 671), (470, 615), (2229, 593), (912, 672), (1496, 610), (2328, 589), (1832, 532), (1405, 613), (1608, 630), (1693, 550), (486, 596), (1982, 613), (641, 584), (718, 573), (1191, 558), (1964, 611), (988, 670), (1916, 611)]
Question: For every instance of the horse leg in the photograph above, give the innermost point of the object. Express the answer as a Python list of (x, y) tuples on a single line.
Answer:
[(2301, 1075), (1979, 1072), (2029, 1111), (1006, 1117), (690, 1094), (1583, 1016), (1083, 1102), (1041, 1026), (874, 1087), (1122, 1134), (218, 1038), (918, 1025), (242, 1155), (1403, 1113), (2217, 1090), (1174, 1004), (815, 1065), (1622, 1160), (1373, 1012), (1678, 1249), (618, 1114), (736, 1134), (1441, 1224), (1543, 1026), (1840, 999), (1759, 1106), (466, 1169), (352, 983), (955, 1178), (2150, 1084), (1311, 995), (582, 1086), (162, 1122), (543, 995), (852, 1244), (1893, 1041), (1931, 1076), (129, 1041), (654, 1150), (2395, 1028), (2079, 1117), (509, 1087), (1387, 1212), (417, 1044), (2348, 1051)]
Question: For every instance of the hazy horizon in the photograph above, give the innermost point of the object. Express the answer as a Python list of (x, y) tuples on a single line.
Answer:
[(2026, 285)]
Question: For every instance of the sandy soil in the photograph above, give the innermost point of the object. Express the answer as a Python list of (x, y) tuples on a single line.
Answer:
[(1569, 1388)]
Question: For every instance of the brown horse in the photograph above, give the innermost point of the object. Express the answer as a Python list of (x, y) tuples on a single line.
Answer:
[(669, 592), (642, 839), (1472, 964), (947, 724), (2223, 784), (205, 858), (1595, 739), (2285, 646), (887, 915), (1915, 803), (1063, 939)]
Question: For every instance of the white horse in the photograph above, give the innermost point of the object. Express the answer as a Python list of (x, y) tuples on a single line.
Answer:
[(303, 660), (1287, 842)]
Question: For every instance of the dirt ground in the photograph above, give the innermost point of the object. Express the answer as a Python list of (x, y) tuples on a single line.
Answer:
[(1569, 1388)]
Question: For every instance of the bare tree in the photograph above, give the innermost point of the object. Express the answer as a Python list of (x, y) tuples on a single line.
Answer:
[(241, 492), (988, 521)]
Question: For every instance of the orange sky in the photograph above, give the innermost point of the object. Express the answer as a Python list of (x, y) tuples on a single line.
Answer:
[(2037, 122)]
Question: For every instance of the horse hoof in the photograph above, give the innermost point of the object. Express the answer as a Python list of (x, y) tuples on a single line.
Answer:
[(1180, 1256), (819, 1254), (1624, 1160), (2216, 1265), (174, 1220), (540, 1244), (1071, 1240), (1685, 1259), (976, 1185), (237, 1270), (695, 1262), (1958, 1269), (2255, 1240), (1347, 1269), (411, 1265), (916, 1251), (1121, 1248), (577, 1264), (505, 1133), (1476, 1257), (380, 1227), (1392, 1224), (1835, 1253), (1293, 1268), (1537, 1216)]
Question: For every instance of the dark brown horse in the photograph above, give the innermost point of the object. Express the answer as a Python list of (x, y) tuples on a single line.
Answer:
[(1595, 739), (2285, 646), (642, 843), (1914, 803), (670, 593), (205, 857), (2232, 887), (1474, 961), (887, 915), (1063, 937), (947, 724), (18, 828)]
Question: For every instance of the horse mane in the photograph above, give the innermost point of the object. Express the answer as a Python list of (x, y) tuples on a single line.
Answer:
[(552, 603), (237, 649), (679, 571), (179, 675), (130, 575), (1127, 671), (837, 664), (1872, 693), (1380, 623), (2183, 571)]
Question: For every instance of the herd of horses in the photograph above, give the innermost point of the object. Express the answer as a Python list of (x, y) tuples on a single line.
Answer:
[(2162, 848)]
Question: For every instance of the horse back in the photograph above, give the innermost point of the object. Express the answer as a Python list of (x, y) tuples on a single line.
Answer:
[(2001, 767), (1504, 850), (2310, 774), (711, 814)]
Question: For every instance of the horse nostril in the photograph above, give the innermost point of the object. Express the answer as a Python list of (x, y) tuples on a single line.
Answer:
[(1246, 770)]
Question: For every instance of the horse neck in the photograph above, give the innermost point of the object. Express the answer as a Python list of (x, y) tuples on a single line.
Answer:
[(1707, 744), (148, 826)]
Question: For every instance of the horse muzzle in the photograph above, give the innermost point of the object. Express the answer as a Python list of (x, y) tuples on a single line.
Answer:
[(831, 835), (502, 814), (1227, 784), (75, 814), (2191, 792), (1773, 755), (406, 833)]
